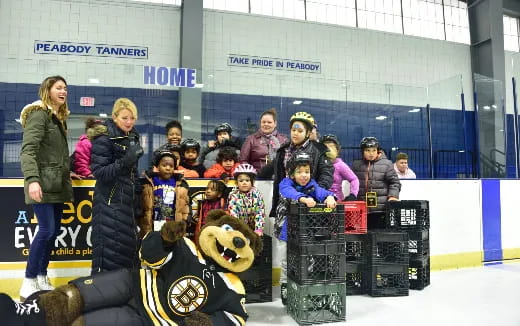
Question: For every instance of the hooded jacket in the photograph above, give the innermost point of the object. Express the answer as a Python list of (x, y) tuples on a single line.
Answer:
[(378, 176), (114, 228), (44, 154)]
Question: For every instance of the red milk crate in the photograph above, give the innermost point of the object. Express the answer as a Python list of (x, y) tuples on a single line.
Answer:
[(355, 217)]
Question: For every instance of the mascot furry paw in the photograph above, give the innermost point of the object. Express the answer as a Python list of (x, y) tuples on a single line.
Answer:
[(183, 284)]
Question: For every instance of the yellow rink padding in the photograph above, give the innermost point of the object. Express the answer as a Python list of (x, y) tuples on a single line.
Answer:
[(453, 261), (52, 265), (511, 253)]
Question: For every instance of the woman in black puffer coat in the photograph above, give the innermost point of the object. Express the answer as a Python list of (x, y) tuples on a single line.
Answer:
[(115, 152)]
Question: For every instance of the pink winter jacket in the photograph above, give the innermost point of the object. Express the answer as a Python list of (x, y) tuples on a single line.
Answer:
[(82, 156)]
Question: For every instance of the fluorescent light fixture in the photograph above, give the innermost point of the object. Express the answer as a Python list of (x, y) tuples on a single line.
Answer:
[(297, 102), (414, 110), (187, 117), (461, 151), (103, 115), (394, 149), (199, 85), (210, 76), (501, 130), (493, 106), (381, 117), (93, 80), (486, 107)]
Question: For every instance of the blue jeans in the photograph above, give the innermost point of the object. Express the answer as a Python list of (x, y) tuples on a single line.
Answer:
[(49, 222)]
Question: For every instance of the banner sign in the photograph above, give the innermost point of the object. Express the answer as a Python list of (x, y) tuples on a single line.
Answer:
[(19, 225), (273, 63), (90, 49)]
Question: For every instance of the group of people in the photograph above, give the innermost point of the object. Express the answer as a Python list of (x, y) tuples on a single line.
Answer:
[(128, 204)]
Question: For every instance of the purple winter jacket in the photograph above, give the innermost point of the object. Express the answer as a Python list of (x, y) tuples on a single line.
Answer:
[(254, 150), (343, 172)]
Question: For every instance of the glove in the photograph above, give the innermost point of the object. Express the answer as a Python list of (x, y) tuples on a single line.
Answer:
[(133, 153), (350, 197)]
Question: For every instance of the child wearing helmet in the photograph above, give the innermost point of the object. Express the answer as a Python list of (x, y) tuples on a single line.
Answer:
[(301, 124), (223, 138), (298, 186), (245, 202), (341, 170), (190, 149), (164, 195), (379, 181)]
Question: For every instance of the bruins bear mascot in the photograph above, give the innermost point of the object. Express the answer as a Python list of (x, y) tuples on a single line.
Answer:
[(182, 284)]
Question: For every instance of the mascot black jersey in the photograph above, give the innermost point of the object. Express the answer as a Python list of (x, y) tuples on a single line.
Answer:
[(179, 281)]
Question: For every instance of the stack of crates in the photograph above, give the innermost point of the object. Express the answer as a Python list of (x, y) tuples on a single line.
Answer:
[(413, 217), (257, 279), (315, 264), (387, 263), (356, 254)]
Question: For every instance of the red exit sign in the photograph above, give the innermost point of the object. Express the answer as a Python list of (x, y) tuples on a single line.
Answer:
[(87, 101)]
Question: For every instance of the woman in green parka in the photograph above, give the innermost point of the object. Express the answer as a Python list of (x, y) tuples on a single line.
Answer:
[(45, 165)]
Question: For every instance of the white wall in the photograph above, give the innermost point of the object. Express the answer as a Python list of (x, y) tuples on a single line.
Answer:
[(368, 59), (103, 22), (455, 213), (510, 222)]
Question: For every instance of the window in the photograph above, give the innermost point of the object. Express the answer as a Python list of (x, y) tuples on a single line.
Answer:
[(339, 12), (511, 34), (423, 18), (229, 5), (294, 9), (164, 2), (456, 20), (382, 15)]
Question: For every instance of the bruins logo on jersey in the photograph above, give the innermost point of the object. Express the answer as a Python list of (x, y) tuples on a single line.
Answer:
[(187, 294)]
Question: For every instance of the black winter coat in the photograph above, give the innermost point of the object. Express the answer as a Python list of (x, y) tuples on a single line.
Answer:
[(114, 227), (379, 176), (322, 168)]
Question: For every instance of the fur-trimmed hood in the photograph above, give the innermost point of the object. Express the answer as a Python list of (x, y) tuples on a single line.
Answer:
[(29, 108), (97, 130)]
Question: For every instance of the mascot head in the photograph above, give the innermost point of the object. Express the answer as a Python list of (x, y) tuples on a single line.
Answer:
[(229, 241)]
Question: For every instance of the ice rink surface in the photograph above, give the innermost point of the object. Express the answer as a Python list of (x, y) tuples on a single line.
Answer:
[(482, 296)]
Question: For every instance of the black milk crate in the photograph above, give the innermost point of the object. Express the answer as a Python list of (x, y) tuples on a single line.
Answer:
[(419, 273), (356, 278), (408, 214), (387, 247), (418, 244), (356, 250), (260, 290), (316, 303), (265, 260), (388, 280), (311, 224), (311, 263), (258, 285)]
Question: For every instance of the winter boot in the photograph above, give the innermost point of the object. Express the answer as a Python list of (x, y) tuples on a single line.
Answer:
[(29, 286), (283, 293), (29, 313), (44, 283)]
